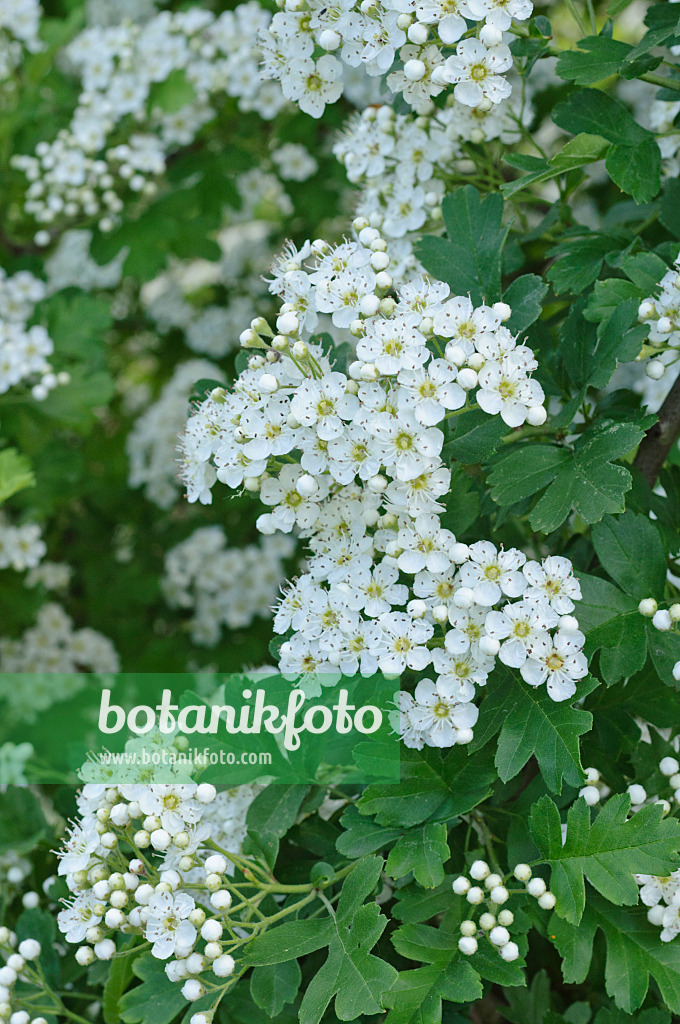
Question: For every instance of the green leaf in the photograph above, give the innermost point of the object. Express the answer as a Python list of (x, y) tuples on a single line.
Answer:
[(173, 93), (288, 941), (351, 974), (611, 622), (669, 213), (634, 953), (77, 323), (630, 549), (523, 470), (417, 996), (275, 985), (16, 473), (588, 482), (469, 259), (609, 851), (477, 436), (157, 1000), (531, 724), (584, 149), (596, 58), (529, 1005), (524, 296), (22, 822), (431, 787), (636, 169), (117, 982), (362, 835), (578, 260), (423, 851), (596, 113)]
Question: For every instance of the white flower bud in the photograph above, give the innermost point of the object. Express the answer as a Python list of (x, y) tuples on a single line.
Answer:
[(655, 914), (417, 609), (487, 922), (306, 485), (160, 839), (506, 917), (84, 956), (668, 766), (637, 794), (647, 607), (568, 624), (221, 900), (105, 949), (193, 990), (440, 613), (417, 33), (492, 36), (467, 379), (662, 620), (211, 930), (536, 887), (464, 597), (461, 885), (509, 952), (489, 645), (591, 795), (464, 736), (377, 484), (29, 949), (223, 967), (288, 323), (30, 900), (536, 416), (414, 70), (655, 369), (369, 305), (547, 901), (479, 870), (455, 354), (475, 895), (468, 927), (646, 310), (499, 936), (467, 944), (329, 40), (459, 553), (268, 384), (493, 880), (499, 894)]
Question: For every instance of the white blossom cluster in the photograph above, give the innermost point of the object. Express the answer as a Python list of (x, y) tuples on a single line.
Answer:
[(152, 442), (24, 350), (21, 547), (51, 645), (124, 69), (309, 42), (70, 265), (168, 884), (493, 923), (17, 967), (50, 575), (205, 575), (383, 573), (401, 161), (663, 619), (661, 313), (19, 28)]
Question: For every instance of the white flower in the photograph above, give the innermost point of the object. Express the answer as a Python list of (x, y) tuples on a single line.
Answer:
[(174, 805), (425, 546), (76, 852), (313, 83), (78, 916), (403, 641), (167, 927), (655, 888), (505, 388), (490, 573), (377, 591), (406, 723), (558, 663), (393, 345), (477, 72), (324, 404), (439, 716), (520, 626), (553, 580), (430, 392)]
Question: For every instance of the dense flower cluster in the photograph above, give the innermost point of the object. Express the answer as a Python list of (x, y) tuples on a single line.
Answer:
[(663, 619), (21, 547), (203, 574), (167, 884), (19, 27), (383, 573), (18, 966), (661, 313), (24, 350), (494, 922), (300, 46), (52, 645), (152, 441), (401, 162), (203, 56)]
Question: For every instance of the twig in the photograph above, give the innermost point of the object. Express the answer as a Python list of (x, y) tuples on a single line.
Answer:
[(660, 438)]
